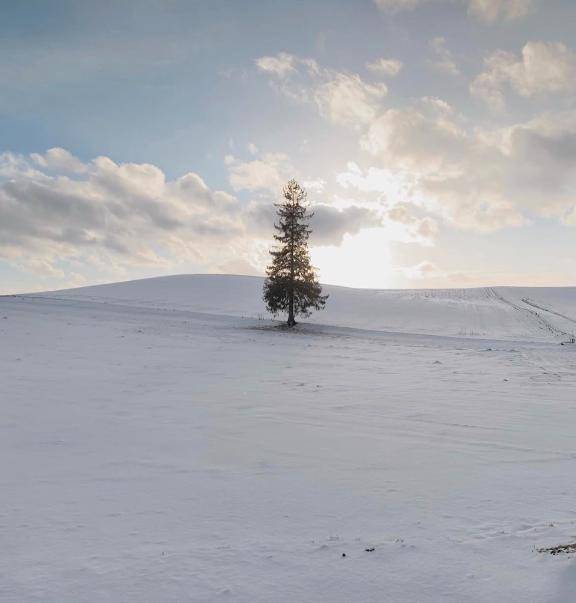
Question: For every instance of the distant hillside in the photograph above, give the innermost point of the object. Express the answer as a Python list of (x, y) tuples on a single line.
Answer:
[(500, 312)]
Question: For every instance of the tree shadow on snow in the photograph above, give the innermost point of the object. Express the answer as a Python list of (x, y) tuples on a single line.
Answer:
[(302, 329)]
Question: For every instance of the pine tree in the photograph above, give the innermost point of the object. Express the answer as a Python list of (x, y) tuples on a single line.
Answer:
[(292, 285)]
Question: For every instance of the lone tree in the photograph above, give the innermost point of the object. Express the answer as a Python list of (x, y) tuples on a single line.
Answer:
[(292, 285)]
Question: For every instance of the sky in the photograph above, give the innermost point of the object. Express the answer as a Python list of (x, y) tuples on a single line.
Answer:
[(436, 139)]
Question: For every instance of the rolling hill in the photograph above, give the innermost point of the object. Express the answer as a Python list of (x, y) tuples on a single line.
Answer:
[(488, 312)]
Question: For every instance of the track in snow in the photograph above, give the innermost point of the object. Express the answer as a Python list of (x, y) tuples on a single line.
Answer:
[(532, 311)]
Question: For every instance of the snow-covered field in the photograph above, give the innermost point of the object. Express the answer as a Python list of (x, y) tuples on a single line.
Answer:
[(161, 441)]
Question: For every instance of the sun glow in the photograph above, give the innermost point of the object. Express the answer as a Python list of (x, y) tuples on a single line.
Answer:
[(363, 260)]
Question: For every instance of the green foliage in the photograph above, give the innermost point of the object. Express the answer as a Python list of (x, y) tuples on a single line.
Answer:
[(292, 285)]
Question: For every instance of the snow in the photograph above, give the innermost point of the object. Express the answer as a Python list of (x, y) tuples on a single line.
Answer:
[(502, 312), (163, 441)]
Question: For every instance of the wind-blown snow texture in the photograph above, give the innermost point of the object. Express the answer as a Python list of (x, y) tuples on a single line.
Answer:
[(160, 442)]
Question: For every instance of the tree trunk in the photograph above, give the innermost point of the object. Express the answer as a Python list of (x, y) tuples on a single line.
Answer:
[(291, 320)]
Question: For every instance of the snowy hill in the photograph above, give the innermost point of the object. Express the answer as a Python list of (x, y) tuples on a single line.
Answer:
[(161, 447), (501, 313)]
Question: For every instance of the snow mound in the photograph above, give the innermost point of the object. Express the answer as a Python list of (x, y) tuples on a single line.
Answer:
[(490, 312)]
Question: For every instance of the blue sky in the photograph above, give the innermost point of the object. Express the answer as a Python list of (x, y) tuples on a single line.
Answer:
[(437, 138)]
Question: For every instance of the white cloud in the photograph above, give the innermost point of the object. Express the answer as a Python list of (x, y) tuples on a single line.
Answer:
[(316, 186), (114, 216), (13, 166), (422, 229), (342, 98), (292, 76), (543, 68), (472, 178), (488, 11), (539, 160), (423, 270), (428, 274), (443, 60), (346, 99), (58, 160), (415, 139), (397, 5), (406, 220), (429, 155), (390, 67), (111, 219), (269, 173), (386, 186), (279, 65), (494, 10)]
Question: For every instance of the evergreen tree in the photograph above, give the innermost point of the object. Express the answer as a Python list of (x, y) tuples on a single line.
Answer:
[(291, 285)]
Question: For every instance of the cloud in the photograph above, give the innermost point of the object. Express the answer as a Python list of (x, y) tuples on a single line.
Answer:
[(453, 175), (292, 76), (340, 97), (494, 10), (423, 139), (539, 163), (389, 67), (316, 186), (397, 5), (268, 173), (111, 219), (111, 216), (423, 270), (472, 202), (58, 160), (543, 68), (331, 224), (347, 100), (427, 273), (472, 178), (280, 65), (423, 230), (488, 11), (389, 184), (443, 61), (405, 220)]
